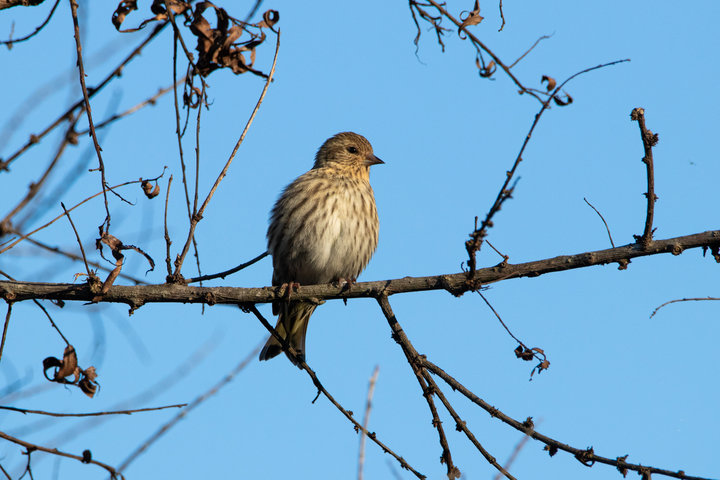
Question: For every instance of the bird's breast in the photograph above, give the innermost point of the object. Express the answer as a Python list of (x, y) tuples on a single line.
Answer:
[(327, 231)]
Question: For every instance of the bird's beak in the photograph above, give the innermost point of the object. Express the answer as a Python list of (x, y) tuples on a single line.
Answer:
[(372, 160)]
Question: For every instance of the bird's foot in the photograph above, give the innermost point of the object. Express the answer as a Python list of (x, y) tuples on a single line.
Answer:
[(345, 283), (288, 288)]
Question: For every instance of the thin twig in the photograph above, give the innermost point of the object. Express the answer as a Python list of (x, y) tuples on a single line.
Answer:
[(301, 364), (544, 37), (366, 420), (682, 300), (178, 133), (649, 140), (88, 111), (516, 451), (196, 217), (91, 414), (504, 257), (190, 407), (228, 272), (503, 19), (603, 220), (77, 236), (168, 242), (538, 355), (197, 171), (33, 447), (10, 42), (253, 10), (5, 328)]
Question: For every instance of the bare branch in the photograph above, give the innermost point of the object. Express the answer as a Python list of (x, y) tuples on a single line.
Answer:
[(5, 328), (88, 110), (91, 414), (84, 459), (585, 456), (682, 300), (11, 41), (456, 283), (168, 242), (366, 420), (603, 220), (649, 140), (77, 236), (228, 272)]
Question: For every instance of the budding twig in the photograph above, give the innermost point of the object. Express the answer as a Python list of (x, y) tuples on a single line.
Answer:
[(649, 140)]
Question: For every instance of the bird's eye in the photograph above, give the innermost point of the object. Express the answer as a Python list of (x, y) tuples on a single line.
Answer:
[(352, 150)]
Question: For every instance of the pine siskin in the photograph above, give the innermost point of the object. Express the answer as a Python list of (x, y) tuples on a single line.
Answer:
[(323, 228)]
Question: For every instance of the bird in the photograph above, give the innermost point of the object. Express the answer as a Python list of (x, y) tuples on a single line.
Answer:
[(323, 229)]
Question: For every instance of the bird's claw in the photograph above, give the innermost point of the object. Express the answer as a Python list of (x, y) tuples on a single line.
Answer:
[(288, 288)]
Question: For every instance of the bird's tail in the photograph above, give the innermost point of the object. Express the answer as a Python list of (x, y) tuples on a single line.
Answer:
[(292, 326)]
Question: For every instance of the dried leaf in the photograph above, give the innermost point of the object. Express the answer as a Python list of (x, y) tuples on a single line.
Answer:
[(551, 83), (69, 365), (148, 189), (270, 18), (122, 10), (87, 383), (472, 18), (116, 248), (66, 367), (157, 7), (485, 71), (560, 102), (217, 47)]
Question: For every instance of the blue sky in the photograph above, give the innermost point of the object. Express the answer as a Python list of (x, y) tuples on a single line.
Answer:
[(619, 381)]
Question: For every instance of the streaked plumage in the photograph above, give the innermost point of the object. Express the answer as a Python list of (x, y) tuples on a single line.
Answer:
[(323, 228)]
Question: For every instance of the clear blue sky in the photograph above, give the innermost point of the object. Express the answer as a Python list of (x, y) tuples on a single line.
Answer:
[(618, 381)]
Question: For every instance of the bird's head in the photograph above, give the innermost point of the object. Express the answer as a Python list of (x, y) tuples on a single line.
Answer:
[(346, 151)]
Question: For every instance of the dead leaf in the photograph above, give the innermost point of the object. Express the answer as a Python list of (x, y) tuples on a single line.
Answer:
[(148, 189), (122, 10), (116, 248), (68, 367), (551, 83), (472, 18), (486, 71), (560, 102), (87, 382)]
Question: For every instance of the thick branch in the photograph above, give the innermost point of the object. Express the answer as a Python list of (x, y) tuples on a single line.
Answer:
[(457, 283)]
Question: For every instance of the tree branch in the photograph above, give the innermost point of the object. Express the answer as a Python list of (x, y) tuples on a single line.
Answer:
[(456, 283)]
